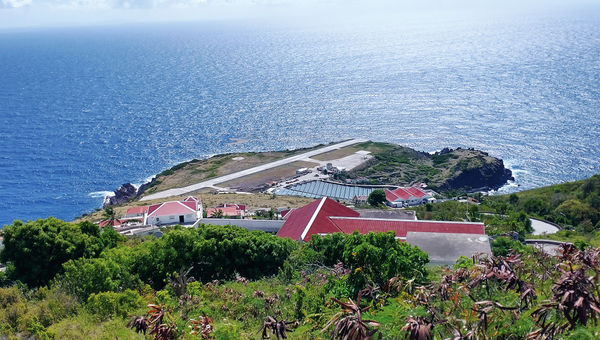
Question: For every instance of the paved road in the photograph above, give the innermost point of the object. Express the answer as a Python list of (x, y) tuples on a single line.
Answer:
[(550, 247), (212, 182), (540, 227)]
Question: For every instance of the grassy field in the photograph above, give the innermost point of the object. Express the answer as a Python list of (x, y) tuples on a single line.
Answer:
[(254, 201), (195, 171)]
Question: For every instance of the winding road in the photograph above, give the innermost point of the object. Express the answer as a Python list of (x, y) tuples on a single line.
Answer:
[(541, 227)]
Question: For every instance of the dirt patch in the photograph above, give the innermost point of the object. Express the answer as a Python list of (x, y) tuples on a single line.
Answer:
[(336, 154), (257, 180), (373, 147)]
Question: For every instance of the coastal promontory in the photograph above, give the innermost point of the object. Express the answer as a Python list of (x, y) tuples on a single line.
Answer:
[(353, 163)]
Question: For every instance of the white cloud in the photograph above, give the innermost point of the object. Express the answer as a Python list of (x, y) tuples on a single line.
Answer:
[(14, 3), (117, 4)]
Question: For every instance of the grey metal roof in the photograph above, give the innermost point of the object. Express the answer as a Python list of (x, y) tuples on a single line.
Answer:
[(445, 248), (317, 189)]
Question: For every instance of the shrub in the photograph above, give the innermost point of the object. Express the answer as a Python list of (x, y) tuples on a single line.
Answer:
[(374, 257), (502, 245), (111, 304), (215, 252), (463, 262), (83, 277)]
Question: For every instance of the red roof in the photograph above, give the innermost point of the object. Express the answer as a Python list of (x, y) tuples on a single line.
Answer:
[(227, 211), (416, 192), (136, 210), (115, 223), (190, 198), (390, 196), (237, 206), (285, 212), (313, 218), (172, 208), (402, 193), (401, 227)]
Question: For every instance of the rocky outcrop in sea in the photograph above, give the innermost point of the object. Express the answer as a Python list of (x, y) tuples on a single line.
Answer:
[(124, 194)]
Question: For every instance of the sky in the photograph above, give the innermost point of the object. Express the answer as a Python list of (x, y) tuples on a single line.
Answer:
[(36, 13)]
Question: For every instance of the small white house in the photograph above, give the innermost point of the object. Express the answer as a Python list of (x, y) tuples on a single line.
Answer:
[(187, 211)]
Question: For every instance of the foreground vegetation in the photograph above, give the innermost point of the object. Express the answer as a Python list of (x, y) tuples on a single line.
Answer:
[(228, 283), (73, 281)]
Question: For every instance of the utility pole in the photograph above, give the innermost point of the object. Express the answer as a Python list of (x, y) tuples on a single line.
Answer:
[(468, 218)]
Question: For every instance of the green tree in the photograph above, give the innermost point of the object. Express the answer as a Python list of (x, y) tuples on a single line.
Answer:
[(502, 245), (513, 199), (217, 214), (111, 304), (577, 211), (214, 252), (37, 249), (537, 206), (377, 198), (111, 238), (474, 214), (109, 215)]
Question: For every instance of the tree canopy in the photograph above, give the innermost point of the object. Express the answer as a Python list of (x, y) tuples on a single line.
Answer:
[(36, 250), (377, 198)]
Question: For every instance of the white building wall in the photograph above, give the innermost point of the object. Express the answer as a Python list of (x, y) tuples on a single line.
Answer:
[(172, 219)]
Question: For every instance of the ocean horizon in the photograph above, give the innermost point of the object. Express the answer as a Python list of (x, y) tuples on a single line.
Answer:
[(85, 110)]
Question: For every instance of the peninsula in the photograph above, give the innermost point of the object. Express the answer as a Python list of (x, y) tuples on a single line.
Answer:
[(353, 162)]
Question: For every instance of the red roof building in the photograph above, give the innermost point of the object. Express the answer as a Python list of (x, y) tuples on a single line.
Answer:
[(404, 196), (241, 207), (326, 216), (313, 218), (227, 209)]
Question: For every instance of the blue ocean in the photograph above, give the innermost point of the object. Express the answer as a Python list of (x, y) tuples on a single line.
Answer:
[(83, 110)]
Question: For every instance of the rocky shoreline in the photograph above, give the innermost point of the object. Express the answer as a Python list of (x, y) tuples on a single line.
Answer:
[(124, 194)]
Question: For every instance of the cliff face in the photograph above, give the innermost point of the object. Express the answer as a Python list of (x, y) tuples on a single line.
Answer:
[(489, 175)]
